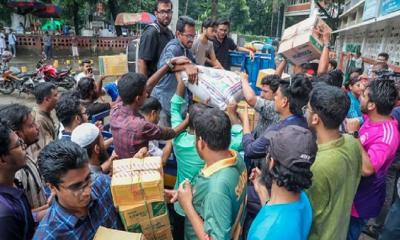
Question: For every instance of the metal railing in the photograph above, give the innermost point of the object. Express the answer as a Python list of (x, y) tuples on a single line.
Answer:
[(297, 2), (350, 3)]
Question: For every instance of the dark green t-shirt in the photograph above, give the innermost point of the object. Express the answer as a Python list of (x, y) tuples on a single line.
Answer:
[(219, 193)]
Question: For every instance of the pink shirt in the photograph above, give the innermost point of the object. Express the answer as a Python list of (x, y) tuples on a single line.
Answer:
[(380, 140)]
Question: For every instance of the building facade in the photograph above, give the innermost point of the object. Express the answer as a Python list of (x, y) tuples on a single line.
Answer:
[(371, 27)]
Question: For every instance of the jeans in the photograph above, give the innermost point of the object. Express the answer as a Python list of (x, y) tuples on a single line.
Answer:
[(177, 222), (391, 229), (355, 228), (253, 206), (391, 192), (13, 49), (48, 50)]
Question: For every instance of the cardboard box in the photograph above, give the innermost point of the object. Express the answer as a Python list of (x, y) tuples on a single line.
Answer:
[(144, 227), (301, 43), (164, 234), (138, 192), (107, 234), (160, 222), (134, 214), (115, 65), (251, 112), (136, 180), (267, 72), (155, 228)]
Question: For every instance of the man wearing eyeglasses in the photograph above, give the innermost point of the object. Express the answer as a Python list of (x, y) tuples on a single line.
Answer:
[(15, 213), (154, 38), (20, 119), (83, 200), (181, 46)]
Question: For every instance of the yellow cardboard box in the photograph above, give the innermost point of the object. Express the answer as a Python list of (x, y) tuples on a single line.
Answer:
[(135, 214), (144, 227), (164, 234), (160, 222), (134, 181), (267, 72), (124, 190), (157, 226), (251, 112), (107, 234), (115, 65)]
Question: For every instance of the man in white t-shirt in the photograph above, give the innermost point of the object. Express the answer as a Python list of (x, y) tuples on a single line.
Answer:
[(203, 49), (87, 71)]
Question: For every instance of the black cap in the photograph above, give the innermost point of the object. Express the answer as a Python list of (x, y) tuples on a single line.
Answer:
[(293, 145)]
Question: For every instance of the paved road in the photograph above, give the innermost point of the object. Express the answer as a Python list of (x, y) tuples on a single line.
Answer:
[(29, 100)]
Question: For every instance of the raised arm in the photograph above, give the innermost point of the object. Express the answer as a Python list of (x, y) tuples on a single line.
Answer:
[(281, 68), (324, 60), (177, 62), (248, 92)]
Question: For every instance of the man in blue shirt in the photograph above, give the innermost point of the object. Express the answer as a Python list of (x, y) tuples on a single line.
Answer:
[(16, 219), (289, 100), (181, 46), (287, 214), (83, 200)]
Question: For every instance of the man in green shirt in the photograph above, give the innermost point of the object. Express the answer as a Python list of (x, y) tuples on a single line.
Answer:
[(188, 160), (337, 167), (215, 207)]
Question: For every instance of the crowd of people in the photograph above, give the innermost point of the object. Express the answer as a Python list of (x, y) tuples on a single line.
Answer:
[(320, 163)]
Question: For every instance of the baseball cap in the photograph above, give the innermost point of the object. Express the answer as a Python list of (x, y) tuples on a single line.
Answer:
[(293, 145), (85, 134)]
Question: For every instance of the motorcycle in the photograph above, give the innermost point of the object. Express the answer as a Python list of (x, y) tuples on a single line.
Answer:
[(9, 82), (11, 79), (48, 73)]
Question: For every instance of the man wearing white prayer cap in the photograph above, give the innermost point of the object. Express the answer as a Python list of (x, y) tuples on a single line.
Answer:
[(89, 137)]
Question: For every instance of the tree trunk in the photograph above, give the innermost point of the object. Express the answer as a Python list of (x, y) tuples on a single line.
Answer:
[(112, 5), (75, 8), (214, 8), (186, 7)]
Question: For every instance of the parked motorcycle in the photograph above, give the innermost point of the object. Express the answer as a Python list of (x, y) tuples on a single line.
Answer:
[(11, 79), (48, 73), (9, 82)]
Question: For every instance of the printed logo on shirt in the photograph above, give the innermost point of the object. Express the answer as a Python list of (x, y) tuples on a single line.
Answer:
[(363, 138), (388, 132), (241, 184)]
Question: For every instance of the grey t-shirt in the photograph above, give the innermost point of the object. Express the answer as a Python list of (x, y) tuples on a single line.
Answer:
[(268, 115), (201, 51)]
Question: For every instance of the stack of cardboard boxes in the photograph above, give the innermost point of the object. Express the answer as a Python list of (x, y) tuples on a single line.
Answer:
[(303, 41), (138, 192)]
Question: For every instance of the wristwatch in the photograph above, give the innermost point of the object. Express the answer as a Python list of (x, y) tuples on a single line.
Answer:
[(170, 65), (355, 134)]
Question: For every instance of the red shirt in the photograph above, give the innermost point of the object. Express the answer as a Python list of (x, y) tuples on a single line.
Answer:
[(131, 131)]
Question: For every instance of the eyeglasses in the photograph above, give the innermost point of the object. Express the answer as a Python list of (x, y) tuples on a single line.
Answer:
[(77, 190), (20, 143), (165, 12), (189, 36)]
